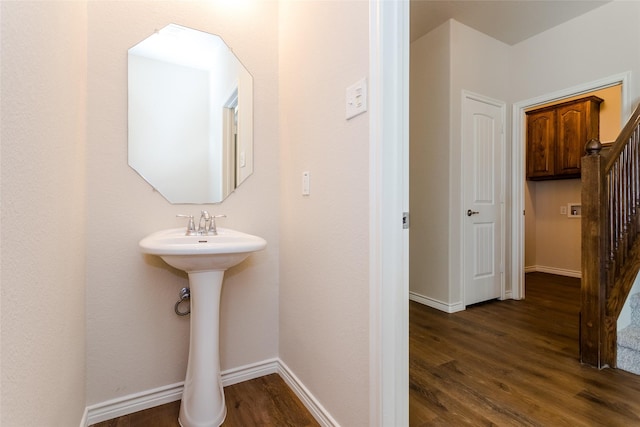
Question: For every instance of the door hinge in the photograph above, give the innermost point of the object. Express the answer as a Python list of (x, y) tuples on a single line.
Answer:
[(405, 220)]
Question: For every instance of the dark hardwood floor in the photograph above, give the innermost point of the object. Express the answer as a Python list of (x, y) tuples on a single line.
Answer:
[(264, 401), (513, 363), (502, 363)]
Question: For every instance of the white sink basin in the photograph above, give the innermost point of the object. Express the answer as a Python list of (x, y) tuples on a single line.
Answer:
[(201, 253), (205, 259)]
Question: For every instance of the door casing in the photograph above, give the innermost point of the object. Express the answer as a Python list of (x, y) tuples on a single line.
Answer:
[(518, 152)]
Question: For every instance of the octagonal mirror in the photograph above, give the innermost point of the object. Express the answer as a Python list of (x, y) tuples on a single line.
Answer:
[(190, 115)]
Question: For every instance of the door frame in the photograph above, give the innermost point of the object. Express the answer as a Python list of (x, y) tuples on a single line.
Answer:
[(519, 166), (388, 199), (503, 166)]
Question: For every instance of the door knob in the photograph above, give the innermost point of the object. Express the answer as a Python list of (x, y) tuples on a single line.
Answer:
[(470, 212)]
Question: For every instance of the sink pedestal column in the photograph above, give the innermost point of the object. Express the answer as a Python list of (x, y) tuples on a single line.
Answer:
[(203, 398)]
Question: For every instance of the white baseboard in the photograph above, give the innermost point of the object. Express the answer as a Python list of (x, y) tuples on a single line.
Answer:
[(553, 270), (312, 404), (249, 372), (133, 403), (170, 393), (434, 303)]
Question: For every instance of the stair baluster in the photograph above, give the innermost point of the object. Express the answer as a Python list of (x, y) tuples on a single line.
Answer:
[(610, 240)]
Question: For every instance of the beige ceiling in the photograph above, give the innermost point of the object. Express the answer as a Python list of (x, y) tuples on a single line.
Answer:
[(510, 21)]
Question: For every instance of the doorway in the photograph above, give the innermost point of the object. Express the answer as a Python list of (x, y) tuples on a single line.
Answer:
[(521, 196)]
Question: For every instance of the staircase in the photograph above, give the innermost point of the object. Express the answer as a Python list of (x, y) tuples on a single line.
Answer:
[(629, 339), (610, 247)]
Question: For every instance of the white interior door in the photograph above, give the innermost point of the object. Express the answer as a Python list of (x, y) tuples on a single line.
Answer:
[(483, 198)]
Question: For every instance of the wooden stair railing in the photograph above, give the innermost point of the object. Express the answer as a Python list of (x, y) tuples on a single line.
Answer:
[(610, 240)]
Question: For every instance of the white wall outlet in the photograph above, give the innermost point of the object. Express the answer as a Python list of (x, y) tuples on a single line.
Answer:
[(575, 210), (563, 210), (306, 176), (356, 98)]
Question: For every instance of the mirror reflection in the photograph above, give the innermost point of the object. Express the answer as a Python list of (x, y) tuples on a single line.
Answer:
[(190, 115)]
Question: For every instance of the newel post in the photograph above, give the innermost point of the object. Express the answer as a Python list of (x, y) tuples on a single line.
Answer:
[(593, 292)]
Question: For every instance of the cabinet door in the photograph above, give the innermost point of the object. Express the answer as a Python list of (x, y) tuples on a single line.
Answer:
[(571, 139), (541, 135)]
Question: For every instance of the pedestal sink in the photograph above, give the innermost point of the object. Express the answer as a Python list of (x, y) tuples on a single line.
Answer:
[(205, 259)]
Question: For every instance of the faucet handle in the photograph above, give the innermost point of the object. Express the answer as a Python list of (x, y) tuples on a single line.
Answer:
[(213, 229), (191, 227)]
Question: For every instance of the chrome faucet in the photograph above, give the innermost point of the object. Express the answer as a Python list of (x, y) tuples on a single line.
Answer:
[(203, 229), (207, 225)]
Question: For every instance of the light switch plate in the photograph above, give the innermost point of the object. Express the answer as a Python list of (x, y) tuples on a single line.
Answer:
[(306, 177), (356, 98)]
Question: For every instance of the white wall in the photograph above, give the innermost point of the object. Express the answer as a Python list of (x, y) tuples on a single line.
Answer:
[(43, 86), (601, 43), (429, 108), (448, 60), (324, 286), (557, 237), (135, 342)]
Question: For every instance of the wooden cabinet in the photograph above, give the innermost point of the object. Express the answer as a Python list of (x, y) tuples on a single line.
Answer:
[(541, 144), (556, 136)]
